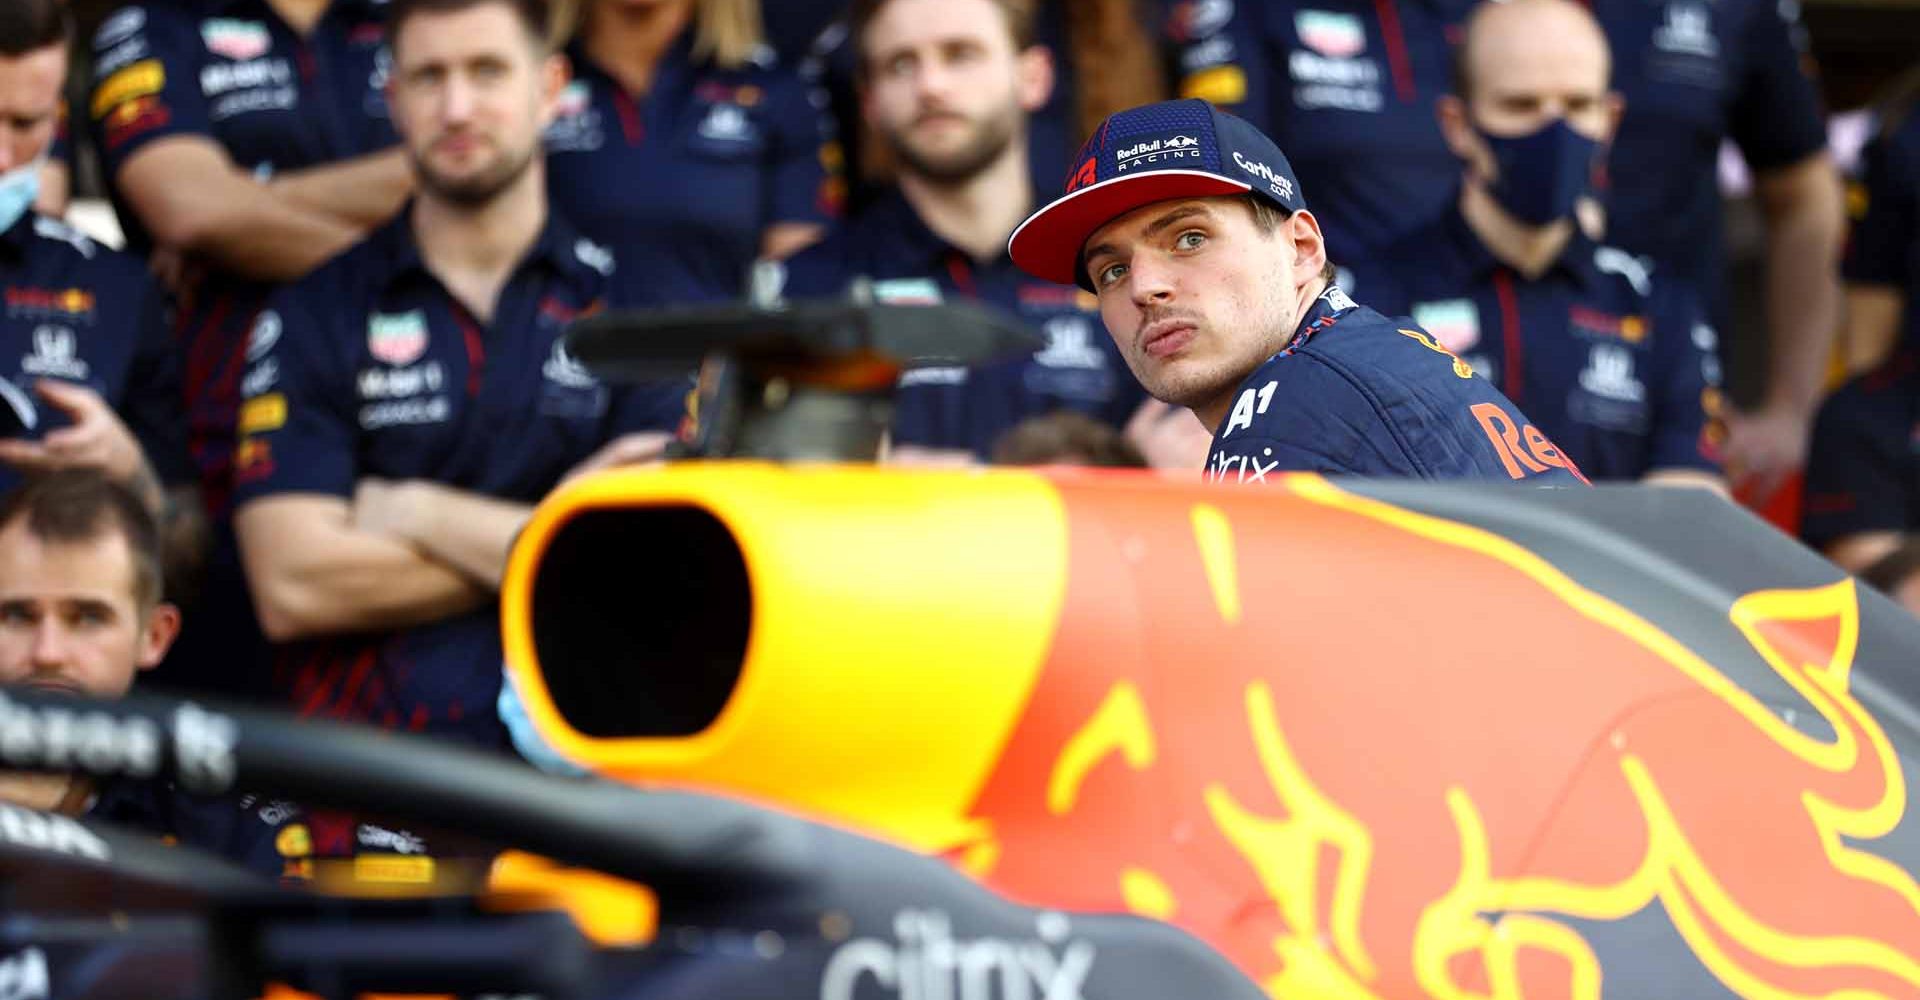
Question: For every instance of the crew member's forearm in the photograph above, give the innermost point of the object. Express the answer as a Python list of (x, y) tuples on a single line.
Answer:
[(470, 532), (1804, 232), (321, 577), (360, 193)]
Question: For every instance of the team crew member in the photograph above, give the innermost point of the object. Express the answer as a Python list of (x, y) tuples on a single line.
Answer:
[(1616, 363), (83, 329), (1349, 87), (1883, 251), (1862, 493), (243, 141), (948, 86), (1214, 280), (81, 613), (409, 401), (1105, 57), (682, 147), (1694, 74)]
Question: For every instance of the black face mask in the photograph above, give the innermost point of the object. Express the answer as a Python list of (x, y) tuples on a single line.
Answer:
[(1543, 173)]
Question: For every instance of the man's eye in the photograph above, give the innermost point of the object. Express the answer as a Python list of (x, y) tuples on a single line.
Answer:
[(1108, 275), (15, 615), (1190, 240)]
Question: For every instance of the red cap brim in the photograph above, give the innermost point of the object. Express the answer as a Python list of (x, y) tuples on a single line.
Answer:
[(1048, 244)]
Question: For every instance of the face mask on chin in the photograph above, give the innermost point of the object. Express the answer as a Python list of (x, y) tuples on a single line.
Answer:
[(19, 189), (1541, 175)]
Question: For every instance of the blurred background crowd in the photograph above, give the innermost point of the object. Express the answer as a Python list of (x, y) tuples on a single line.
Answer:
[(334, 452)]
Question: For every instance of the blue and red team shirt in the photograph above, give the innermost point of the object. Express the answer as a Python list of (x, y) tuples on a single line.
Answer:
[(969, 409), (1884, 245), (232, 72), (1863, 469), (370, 367), (267, 836), (682, 183), (1616, 365), (1355, 393), (1695, 73), (1347, 89), (78, 312)]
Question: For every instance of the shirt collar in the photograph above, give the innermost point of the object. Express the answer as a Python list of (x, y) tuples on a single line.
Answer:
[(1575, 260), (892, 224), (558, 247), (1326, 310), (669, 77)]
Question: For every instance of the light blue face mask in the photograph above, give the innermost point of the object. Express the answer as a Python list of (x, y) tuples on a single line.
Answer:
[(19, 189)]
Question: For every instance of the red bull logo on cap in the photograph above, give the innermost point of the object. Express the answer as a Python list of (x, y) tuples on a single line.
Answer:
[(1364, 782)]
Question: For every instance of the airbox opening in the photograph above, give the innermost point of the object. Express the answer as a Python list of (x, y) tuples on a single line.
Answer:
[(640, 619)]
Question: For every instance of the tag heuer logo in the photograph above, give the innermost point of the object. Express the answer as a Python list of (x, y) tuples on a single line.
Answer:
[(236, 40), (397, 339), (1455, 323), (1336, 36)]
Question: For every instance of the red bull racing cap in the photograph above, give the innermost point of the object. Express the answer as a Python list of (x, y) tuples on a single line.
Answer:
[(1155, 152)]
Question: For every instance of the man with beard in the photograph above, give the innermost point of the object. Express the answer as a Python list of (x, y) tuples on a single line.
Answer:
[(407, 403), (948, 85)]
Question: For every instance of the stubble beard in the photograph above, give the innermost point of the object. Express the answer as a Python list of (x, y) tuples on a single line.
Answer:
[(480, 189), (989, 141)]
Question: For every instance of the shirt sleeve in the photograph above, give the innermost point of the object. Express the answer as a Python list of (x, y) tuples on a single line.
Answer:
[(1687, 370), (1882, 244), (144, 86), (1220, 55), (297, 431), (152, 403), (805, 181), (1859, 472), (1776, 117)]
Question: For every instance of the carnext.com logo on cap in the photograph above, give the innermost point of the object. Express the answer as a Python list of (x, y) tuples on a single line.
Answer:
[(1280, 184), (1176, 147)]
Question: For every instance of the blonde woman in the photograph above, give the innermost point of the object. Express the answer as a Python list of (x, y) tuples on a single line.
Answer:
[(680, 145)]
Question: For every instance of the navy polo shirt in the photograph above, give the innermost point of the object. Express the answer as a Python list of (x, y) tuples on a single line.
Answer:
[(1695, 72), (1355, 393), (1863, 469), (1617, 366), (233, 72), (78, 312), (264, 835), (970, 408), (681, 183), (1884, 246), (1347, 89), (369, 367)]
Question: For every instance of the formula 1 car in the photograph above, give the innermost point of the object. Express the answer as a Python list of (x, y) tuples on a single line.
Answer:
[(1018, 735)]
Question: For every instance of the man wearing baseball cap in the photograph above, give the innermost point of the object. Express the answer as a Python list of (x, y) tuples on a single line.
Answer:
[(1213, 281)]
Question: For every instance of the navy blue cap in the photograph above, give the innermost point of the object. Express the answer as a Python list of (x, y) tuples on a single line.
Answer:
[(1174, 149)]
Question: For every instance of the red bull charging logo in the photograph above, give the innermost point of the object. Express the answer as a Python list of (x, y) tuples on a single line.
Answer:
[(1356, 764)]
